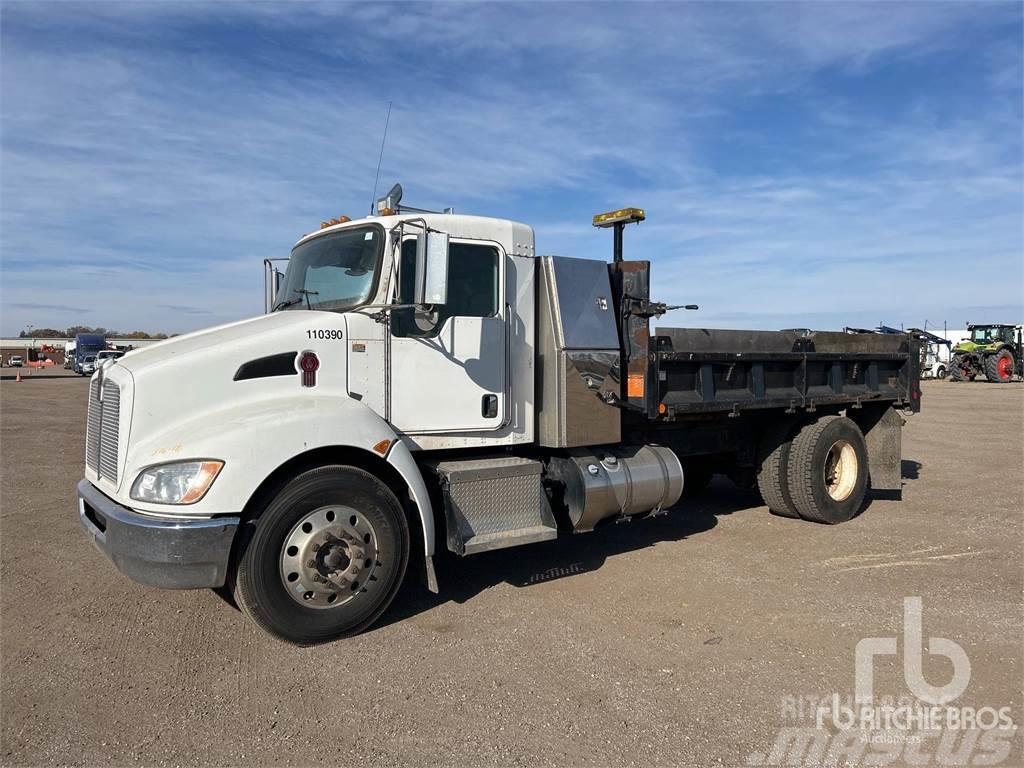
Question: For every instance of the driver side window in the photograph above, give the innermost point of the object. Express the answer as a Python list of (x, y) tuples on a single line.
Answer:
[(473, 275)]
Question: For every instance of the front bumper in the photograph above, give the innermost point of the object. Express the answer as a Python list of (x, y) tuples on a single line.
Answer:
[(174, 554)]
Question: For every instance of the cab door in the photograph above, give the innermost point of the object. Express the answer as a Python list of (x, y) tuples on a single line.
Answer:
[(449, 372)]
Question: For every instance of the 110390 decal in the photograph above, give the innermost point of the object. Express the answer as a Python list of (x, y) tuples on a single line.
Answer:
[(324, 333)]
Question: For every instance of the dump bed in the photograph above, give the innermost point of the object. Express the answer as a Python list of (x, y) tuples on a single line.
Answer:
[(699, 370)]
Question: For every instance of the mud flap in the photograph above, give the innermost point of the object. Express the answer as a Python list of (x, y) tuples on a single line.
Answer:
[(883, 433)]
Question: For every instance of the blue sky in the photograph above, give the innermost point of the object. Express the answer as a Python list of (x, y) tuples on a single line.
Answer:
[(801, 165)]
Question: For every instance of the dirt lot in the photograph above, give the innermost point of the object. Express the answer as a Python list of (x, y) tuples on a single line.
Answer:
[(682, 640)]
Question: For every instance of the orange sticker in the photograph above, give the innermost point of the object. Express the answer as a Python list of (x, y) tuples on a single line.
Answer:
[(635, 385)]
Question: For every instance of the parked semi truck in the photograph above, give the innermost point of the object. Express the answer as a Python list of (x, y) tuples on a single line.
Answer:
[(426, 382), (86, 345)]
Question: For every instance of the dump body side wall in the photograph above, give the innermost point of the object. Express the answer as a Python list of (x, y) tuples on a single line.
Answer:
[(705, 370)]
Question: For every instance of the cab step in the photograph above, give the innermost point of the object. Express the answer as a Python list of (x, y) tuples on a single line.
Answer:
[(494, 503)]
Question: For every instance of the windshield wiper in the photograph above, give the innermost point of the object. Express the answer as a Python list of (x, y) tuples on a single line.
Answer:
[(297, 299), (307, 294)]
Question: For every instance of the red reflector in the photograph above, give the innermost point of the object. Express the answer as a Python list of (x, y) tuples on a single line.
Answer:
[(309, 363)]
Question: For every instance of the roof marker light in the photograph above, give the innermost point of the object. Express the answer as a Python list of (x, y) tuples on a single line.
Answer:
[(332, 222)]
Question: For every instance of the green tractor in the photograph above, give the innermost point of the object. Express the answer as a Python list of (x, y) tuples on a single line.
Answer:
[(993, 351)]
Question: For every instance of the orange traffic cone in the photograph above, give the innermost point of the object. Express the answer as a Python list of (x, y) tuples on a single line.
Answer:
[(17, 376)]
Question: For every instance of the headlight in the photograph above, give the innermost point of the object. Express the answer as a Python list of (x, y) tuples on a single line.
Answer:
[(184, 483)]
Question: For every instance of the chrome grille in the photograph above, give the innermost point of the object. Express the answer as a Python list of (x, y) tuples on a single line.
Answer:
[(92, 426), (102, 429)]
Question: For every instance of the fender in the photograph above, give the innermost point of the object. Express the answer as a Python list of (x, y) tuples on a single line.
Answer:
[(255, 437)]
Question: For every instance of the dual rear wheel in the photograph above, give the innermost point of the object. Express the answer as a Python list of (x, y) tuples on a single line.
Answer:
[(817, 472)]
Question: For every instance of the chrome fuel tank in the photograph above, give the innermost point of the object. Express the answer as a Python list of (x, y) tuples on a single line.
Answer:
[(606, 482)]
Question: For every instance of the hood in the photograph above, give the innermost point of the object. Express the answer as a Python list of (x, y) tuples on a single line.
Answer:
[(192, 379), (971, 346), (240, 333)]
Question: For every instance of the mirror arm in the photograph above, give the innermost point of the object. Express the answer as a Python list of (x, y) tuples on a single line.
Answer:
[(383, 309)]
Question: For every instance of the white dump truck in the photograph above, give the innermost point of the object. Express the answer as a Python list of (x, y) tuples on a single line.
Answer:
[(426, 382)]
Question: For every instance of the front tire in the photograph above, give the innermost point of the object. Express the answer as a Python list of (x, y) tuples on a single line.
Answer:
[(941, 372), (326, 557), (959, 369), (828, 470)]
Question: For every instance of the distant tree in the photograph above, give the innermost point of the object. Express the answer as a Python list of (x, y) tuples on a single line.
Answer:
[(74, 330)]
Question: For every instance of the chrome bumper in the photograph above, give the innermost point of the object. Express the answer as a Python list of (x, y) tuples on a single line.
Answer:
[(174, 554)]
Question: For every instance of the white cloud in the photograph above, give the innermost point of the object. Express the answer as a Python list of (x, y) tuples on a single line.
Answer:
[(159, 155)]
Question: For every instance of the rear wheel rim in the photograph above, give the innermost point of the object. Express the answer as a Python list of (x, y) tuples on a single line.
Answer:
[(841, 470), (328, 557), (1005, 367)]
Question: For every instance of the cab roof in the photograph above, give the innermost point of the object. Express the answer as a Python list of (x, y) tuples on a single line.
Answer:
[(514, 236)]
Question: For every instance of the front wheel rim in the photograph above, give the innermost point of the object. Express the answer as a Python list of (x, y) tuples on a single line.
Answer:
[(328, 557), (841, 470)]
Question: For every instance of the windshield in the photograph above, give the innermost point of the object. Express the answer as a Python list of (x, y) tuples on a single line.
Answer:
[(984, 335), (90, 359), (336, 271)]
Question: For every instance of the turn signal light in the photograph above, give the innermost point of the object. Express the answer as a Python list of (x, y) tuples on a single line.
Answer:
[(208, 472)]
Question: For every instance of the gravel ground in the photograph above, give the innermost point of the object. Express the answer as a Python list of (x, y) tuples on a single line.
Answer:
[(683, 640)]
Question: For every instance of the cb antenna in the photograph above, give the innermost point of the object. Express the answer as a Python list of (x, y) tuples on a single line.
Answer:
[(380, 157)]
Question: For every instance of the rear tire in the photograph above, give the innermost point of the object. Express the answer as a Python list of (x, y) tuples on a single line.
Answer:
[(828, 470), (772, 472), (334, 530), (999, 367), (941, 372)]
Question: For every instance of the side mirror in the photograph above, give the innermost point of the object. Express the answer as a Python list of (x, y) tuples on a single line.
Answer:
[(272, 279), (431, 268)]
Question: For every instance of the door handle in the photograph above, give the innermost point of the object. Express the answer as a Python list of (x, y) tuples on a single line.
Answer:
[(489, 406)]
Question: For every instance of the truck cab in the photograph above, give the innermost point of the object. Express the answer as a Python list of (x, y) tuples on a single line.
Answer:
[(424, 381)]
